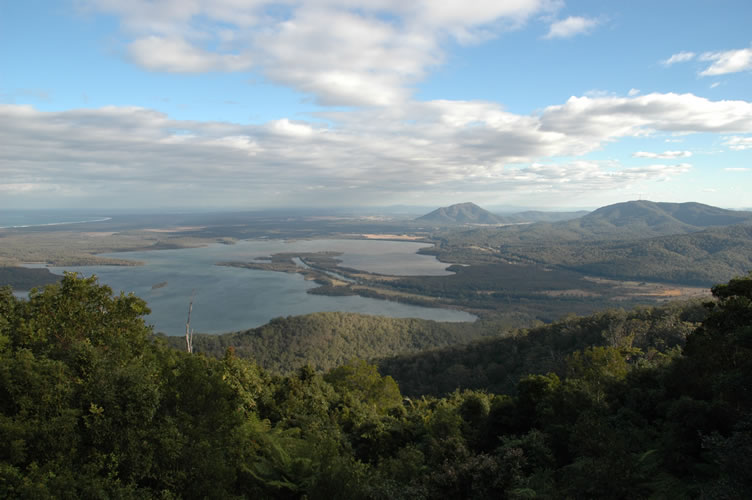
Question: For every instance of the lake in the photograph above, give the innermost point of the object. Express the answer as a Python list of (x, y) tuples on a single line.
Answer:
[(231, 299)]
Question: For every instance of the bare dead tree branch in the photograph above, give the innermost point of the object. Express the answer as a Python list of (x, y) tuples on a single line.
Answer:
[(188, 331)]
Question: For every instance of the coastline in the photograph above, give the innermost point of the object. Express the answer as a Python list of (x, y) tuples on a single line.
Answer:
[(101, 219)]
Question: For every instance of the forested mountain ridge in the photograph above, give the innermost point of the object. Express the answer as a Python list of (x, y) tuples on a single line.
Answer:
[(430, 358), (690, 213), (529, 216), (632, 220), (649, 218), (460, 213), (328, 339), (623, 241), (496, 363), (699, 258), (92, 405), (470, 213)]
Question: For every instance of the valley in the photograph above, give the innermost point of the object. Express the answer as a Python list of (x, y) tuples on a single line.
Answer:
[(375, 250), (539, 269)]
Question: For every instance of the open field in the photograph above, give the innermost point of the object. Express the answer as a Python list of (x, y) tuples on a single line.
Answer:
[(75, 248)]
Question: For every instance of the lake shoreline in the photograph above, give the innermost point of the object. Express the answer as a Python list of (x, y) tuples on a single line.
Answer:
[(230, 298), (337, 281)]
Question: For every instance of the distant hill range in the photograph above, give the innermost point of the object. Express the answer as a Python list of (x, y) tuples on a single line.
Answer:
[(470, 213), (644, 219), (631, 220), (530, 216), (461, 213), (664, 218), (688, 243)]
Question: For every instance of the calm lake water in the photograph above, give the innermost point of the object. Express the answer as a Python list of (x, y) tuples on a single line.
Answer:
[(230, 299)]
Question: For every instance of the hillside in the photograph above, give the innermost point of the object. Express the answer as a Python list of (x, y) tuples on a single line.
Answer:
[(328, 339), (22, 278), (698, 258), (647, 218), (529, 216), (461, 213), (687, 243), (630, 220), (94, 406), (496, 364), (470, 213)]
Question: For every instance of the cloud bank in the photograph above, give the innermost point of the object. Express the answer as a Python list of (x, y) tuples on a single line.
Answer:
[(371, 155)]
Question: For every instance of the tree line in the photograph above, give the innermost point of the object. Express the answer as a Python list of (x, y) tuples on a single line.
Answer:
[(93, 405)]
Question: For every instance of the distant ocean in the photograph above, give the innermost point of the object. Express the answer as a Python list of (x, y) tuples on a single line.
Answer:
[(32, 218)]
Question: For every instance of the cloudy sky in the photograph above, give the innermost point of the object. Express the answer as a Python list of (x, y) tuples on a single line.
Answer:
[(252, 104)]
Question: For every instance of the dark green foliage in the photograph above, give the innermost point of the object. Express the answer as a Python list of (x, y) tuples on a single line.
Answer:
[(329, 339), (696, 255), (496, 364), (92, 405), (22, 278)]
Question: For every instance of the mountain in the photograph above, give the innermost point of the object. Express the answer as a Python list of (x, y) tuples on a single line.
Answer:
[(627, 220), (632, 220), (697, 258), (686, 243), (461, 213), (540, 216), (647, 218)]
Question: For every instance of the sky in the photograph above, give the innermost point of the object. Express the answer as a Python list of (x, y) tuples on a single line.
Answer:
[(250, 104)]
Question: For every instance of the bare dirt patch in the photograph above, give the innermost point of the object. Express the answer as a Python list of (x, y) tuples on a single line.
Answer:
[(570, 293), (399, 237), (655, 290), (99, 234), (179, 229)]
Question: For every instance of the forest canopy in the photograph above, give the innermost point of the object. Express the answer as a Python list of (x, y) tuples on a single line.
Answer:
[(93, 405)]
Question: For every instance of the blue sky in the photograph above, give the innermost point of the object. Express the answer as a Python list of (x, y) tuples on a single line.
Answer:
[(253, 104)]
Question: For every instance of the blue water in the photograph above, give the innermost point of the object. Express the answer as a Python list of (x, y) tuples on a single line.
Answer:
[(31, 218), (231, 299)]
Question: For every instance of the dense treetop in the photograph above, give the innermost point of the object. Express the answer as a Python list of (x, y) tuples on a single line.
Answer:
[(92, 405)]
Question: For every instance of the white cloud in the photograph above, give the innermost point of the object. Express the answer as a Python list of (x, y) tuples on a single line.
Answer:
[(571, 26), (730, 61), (292, 129), (666, 155), (177, 56), (343, 58), (367, 155), (737, 169), (607, 118), (20, 187), (584, 176), (739, 143), (679, 58), (343, 52), (633, 92)]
